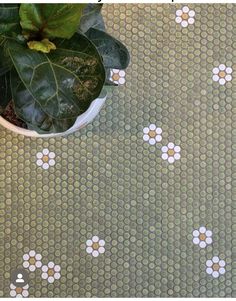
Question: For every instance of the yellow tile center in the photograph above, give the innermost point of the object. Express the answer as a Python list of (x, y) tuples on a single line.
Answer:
[(32, 260), (152, 134), (222, 74), (115, 76), (215, 267), (202, 236), (95, 246), (184, 16), (45, 159), (19, 290), (50, 272), (171, 152)]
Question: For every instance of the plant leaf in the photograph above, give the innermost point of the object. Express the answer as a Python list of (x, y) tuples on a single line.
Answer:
[(5, 62), (63, 82), (5, 91), (9, 19), (44, 46), (27, 109), (114, 53), (50, 20), (91, 17)]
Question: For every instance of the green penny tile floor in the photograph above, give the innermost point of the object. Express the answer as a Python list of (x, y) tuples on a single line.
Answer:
[(142, 202)]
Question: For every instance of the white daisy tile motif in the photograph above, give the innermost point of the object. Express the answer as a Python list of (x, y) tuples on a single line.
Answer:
[(222, 74), (117, 76), (185, 16), (45, 159), (170, 152), (32, 261), (202, 237), (51, 272), (95, 246), (215, 267), (152, 134), (19, 292)]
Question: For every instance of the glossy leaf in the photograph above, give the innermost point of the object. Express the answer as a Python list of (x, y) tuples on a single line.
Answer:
[(28, 109), (9, 18), (50, 20), (91, 17), (65, 81), (114, 53), (5, 91), (5, 61)]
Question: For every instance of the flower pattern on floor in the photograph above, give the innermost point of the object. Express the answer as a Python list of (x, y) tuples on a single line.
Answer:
[(19, 292), (32, 261), (222, 74), (170, 152), (152, 134), (185, 16), (117, 76), (95, 246), (202, 237), (51, 272), (215, 267), (163, 211), (45, 159)]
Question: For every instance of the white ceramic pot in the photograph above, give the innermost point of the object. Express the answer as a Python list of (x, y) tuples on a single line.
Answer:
[(80, 122)]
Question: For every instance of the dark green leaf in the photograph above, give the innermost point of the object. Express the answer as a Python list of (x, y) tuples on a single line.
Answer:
[(28, 109), (91, 17), (5, 61), (114, 53), (50, 20), (64, 82), (5, 91), (9, 19)]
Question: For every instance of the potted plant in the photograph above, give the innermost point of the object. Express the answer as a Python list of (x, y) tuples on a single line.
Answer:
[(55, 66)]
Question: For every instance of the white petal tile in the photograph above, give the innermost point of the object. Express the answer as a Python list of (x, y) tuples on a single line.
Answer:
[(191, 20), (146, 137), (178, 19), (179, 12), (171, 160), (209, 271), (228, 77), (164, 156), (191, 13), (222, 67), (171, 145), (152, 141), (215, 259), (184, 23), (229, 70), (158, 138), (209, 263), (202, 244), (185, 9), (164, 149), (215, 274), (45, 151), (101, 242), (209, 233), (202, 229), (196, 240), (152, 127)]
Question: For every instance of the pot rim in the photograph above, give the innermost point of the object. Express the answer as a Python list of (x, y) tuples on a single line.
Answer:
[(95, 105)]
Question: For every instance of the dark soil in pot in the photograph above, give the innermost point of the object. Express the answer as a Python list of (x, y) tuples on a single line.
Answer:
[(9, 115)]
